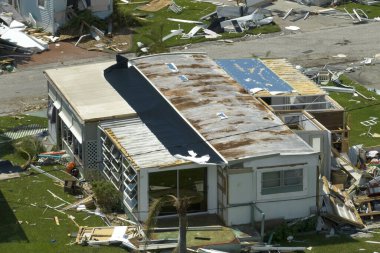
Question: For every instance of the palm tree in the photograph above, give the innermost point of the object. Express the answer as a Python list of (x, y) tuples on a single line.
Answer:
[(181, 205)]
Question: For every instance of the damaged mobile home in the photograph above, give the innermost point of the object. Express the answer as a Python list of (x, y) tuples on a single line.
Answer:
[(51, 14), (179, 124), (299, 102)]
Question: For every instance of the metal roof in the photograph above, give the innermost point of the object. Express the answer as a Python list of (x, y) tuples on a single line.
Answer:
[(139, 143), (88, 92), (160, 130), (252, 73), (232, 121)]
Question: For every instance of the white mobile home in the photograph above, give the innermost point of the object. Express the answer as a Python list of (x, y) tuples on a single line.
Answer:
[(188, 129)]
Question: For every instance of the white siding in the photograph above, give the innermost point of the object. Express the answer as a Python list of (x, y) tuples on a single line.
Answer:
[(245, 188)]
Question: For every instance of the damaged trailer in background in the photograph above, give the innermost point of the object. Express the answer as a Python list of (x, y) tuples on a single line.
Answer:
[(257, 18)]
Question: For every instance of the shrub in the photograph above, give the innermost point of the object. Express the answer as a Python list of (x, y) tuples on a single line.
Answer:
[(107, 196)]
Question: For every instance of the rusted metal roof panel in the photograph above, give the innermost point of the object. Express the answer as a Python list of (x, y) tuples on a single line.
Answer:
[(140, 144), (217, 107)]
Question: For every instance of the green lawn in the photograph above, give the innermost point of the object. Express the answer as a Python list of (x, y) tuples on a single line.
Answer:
[(372, 11), (26, 224), (339, 243), (7, 152), (356, 115), (150, 30)]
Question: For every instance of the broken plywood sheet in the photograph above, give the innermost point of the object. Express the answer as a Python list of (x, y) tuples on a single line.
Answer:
[(155, 5), (6, 176), (220, 238), (338, 207), (349, 168), (108, 235)]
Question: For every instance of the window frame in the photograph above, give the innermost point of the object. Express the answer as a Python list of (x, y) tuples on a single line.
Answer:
[(42, 6), (282, 184)]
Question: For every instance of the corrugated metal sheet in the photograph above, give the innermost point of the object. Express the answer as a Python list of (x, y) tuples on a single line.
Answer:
[(157, 114), (140, 143), (249, 129)]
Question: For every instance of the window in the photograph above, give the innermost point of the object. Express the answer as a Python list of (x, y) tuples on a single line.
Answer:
[(41, 3), (190, 183), (281, 181)]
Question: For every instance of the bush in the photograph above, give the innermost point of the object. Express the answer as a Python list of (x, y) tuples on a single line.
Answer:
[(107, 196), (122, 17), (84, 16), (299, 226), (29, 145)]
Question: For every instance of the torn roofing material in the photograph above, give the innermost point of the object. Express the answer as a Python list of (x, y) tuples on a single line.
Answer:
[(269, 77), (87, 91), (300, 83), (252, 73), (248, 130)]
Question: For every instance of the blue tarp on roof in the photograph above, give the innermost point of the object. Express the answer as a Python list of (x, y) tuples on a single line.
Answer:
[(252, 73)]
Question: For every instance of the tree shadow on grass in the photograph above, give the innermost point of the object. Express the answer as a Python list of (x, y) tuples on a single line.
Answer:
[(6, 147), (10, 229)]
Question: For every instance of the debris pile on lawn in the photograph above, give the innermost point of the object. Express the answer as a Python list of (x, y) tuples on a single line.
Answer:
[(231, 19), (352, 196), (53, 157), (133, 237), (94, 38), (18, 41)]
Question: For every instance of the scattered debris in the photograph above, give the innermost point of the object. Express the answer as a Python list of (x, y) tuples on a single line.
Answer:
[(240, 24), (185, 21), (292, 28), (56, 220), (172, 34), (127, 236), (199, 160), (175, 8)]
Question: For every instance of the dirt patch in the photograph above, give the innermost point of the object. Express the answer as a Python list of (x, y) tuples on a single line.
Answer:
[(155, 5), (59, 52)]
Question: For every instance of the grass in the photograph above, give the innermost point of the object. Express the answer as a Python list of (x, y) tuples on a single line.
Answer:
[(155, 25), (7, 151), (338, 243), (355, 115), (372, 11), (26, 225)]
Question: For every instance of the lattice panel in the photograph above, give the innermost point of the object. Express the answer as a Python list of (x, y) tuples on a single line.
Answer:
[(92, 155)]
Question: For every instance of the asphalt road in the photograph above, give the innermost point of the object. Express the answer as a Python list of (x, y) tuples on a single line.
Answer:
[(314, 48), (26, 88)]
